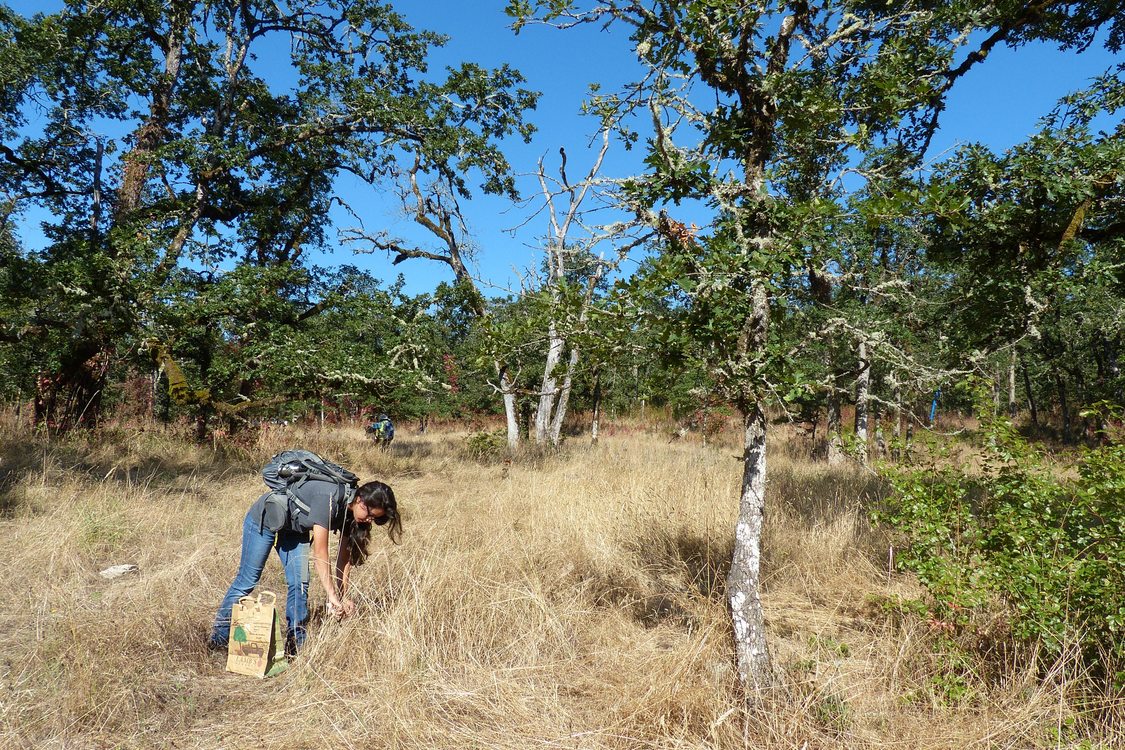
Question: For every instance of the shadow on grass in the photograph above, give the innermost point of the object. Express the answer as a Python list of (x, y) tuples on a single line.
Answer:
[(107, 458), (664, 581), (410, 450), (824, 495), (678, 566)]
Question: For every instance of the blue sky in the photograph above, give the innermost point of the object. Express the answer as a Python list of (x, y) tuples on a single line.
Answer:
[(997, 103)]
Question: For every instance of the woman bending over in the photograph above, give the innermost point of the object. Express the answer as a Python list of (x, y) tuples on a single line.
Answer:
[(273, 523)]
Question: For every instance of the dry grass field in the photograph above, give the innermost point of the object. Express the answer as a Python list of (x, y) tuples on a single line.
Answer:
[(568, 602)]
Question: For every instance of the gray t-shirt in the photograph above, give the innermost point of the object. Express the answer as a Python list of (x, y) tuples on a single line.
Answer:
[(321, 497)]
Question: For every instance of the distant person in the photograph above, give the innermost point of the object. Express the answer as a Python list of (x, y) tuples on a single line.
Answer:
[(299, 519), (382, 431)]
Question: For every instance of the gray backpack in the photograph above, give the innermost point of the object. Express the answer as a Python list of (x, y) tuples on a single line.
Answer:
[(286, 473)]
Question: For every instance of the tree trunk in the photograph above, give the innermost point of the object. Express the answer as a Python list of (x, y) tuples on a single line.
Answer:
[(896, 429), (508, 391), (72, 395), (548, 390), (1032, 407), (153, 393), (1064, 406), (1012, 386), (996, 393), (880, 439), (154, 131), (821, 288), (96, 194), (909, 430), (834, 436), (743, 580), (564, 398), (526, 417), (1080, 427), (595, 417), (79, 383), (862, 386), (1113, 368), (202, 424), (1101, 352)]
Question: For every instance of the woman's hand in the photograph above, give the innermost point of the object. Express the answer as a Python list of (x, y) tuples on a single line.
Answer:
[(342, 610)]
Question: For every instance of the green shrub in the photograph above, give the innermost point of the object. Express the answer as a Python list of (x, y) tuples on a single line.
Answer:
[(1047, 551), (487, 446)]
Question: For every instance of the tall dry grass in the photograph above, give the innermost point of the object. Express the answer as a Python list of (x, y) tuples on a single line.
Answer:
[(571, 602)]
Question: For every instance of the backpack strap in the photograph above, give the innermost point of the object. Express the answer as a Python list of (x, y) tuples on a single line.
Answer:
[(300, 506), (346, 499), (296, 504)]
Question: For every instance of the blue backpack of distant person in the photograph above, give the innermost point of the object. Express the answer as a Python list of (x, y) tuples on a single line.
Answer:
[(382, 430)]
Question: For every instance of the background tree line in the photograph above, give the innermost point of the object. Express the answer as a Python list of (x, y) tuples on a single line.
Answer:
[(184, 199)]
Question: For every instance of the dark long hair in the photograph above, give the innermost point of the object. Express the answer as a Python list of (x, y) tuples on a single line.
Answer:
[(376, 496)]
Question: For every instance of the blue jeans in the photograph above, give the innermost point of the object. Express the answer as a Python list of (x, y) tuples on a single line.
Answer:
[(293, 551)]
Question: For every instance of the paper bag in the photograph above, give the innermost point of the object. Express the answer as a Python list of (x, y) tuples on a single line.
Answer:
[(255, 636)]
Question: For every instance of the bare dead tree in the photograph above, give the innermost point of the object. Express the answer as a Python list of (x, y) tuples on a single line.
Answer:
[(572, 240), (434, 207)]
